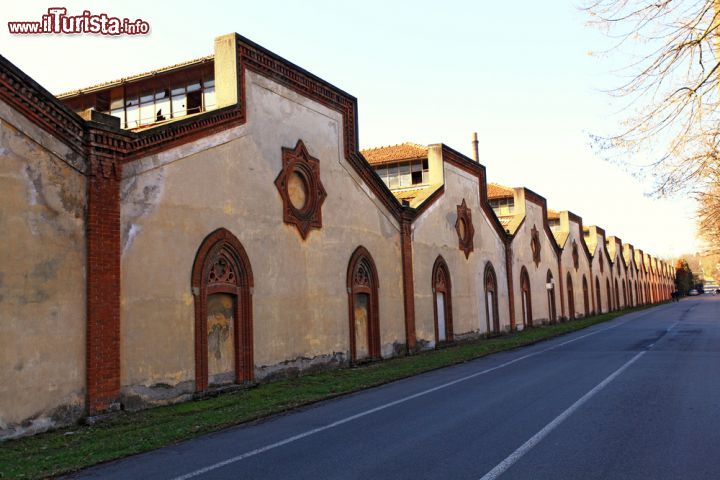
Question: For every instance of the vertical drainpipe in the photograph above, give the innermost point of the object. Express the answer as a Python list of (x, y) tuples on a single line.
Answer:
[(406, 218)]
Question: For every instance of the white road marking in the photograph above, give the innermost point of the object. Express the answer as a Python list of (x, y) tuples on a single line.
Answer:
[(365, 413), (537, 438)]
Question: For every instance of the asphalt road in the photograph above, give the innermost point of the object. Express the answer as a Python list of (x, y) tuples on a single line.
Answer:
[(634, 398)]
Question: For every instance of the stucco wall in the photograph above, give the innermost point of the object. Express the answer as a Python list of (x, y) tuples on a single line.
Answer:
[(434, 234), (583, 270), (171, 201), (522, 256), (42, 280)]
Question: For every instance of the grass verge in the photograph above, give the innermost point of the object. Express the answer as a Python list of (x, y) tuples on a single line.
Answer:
[(69, 449)]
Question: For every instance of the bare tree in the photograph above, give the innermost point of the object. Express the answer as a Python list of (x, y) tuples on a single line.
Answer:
[(709, 216), (672, 90)]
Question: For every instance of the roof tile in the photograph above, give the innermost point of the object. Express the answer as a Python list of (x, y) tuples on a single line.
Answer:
[(498, 191), (393, 153)]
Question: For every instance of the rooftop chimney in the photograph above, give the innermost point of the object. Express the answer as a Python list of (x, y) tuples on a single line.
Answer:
[(476, 156)]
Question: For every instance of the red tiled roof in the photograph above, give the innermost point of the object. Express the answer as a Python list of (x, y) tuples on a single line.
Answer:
[(393, 153), (499, 191)]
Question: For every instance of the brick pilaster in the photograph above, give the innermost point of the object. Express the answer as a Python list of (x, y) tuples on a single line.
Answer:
[(510, 285), (408, 282), (103, 280)]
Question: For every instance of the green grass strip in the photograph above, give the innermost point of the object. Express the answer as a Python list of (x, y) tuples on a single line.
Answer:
[(70, 449)]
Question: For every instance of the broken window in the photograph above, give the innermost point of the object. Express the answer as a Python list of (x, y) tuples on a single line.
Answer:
[(158, 104), (404, 174)]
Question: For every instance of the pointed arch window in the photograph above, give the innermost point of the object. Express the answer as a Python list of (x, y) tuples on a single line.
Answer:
[(586, 297), (526, 297), (221, 284), (492, 316), (362, 285), (598, 296), (571, 296), (442, 291)]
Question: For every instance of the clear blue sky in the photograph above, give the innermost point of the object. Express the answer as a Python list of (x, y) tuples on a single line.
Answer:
[(518, 73)]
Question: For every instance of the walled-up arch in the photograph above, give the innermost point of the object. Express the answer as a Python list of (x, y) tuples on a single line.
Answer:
[(638, 301), (221, 282), (442, 304), (526, 297), (362, 287), (625, 294), (492, 315), (570, 296)]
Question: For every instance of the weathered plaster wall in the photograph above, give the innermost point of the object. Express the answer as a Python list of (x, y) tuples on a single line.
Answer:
[(171, 201), (522, 256), (434, 234), (42, 280), (583, 270)]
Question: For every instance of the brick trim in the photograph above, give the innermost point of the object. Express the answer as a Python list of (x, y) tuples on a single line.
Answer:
[(490, 280), (465, 235), (361, 255), (103, 286), (440, 271), (222, 241), (298, 161), (527, 310), (510, 283), (40, 107), (406, 253)]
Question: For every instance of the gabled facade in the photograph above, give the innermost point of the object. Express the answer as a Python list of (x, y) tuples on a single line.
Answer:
[(534, 257), (458, 246), (213, 224), (601, 268), (575, 263)]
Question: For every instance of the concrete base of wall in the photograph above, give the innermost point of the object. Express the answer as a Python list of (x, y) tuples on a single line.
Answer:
[(61, 416)]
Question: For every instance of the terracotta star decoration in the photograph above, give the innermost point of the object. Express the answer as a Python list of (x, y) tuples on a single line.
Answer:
[(464, 228), (300, 188), (575, 255), (535, 245)]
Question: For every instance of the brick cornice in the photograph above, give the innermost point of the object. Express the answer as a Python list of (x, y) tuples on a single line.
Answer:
[(42, 108), (38, 105), (457, 159)]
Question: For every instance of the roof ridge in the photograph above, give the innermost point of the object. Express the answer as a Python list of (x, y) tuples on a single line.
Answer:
[(412, 144), (167, 68)]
